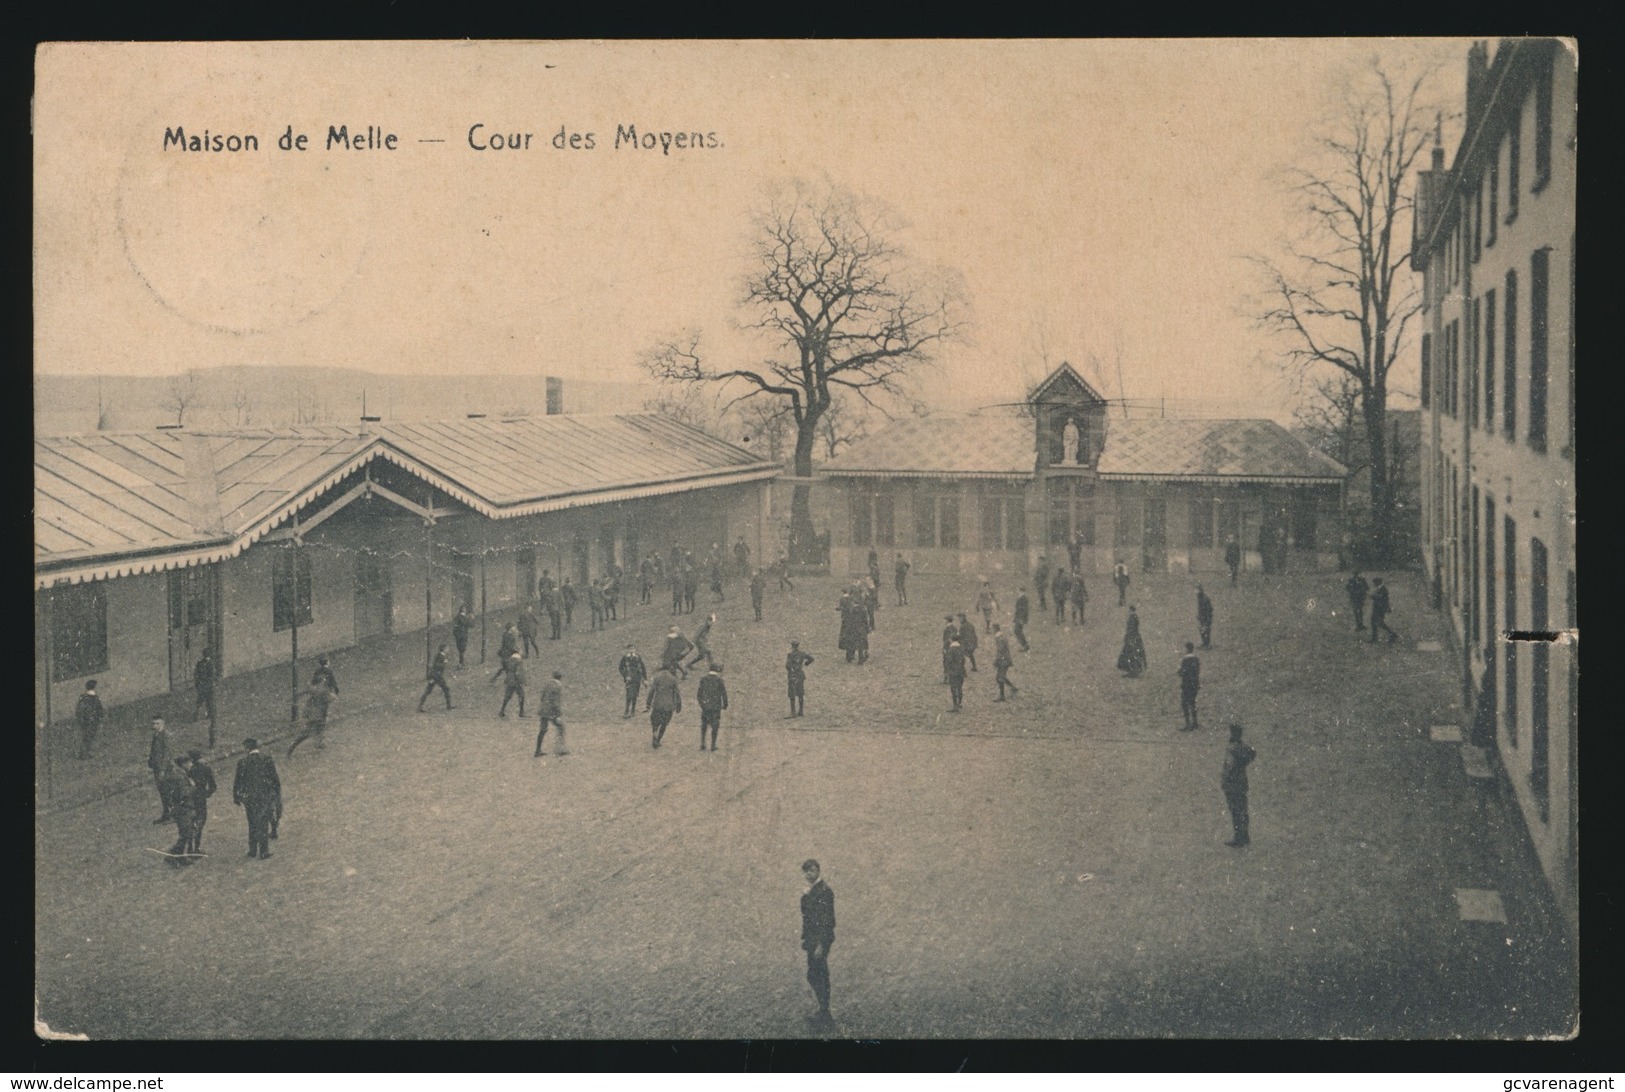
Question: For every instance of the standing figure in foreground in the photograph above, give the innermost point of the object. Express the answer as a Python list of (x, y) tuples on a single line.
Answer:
[(986, 604), (203, 679), (1233, 780), (181, 801), (713, 699), (1132, 659), (1023, 612), (257, 789), (315, 702), (968, 641), (1204, 617), (460, 627), (664, 699), (1041, 581), (1379, 611), (90, 714), (436, 677), (203, 787), (633, 672), (1121, 578), (514, 685), (1003, 660), (1190, 680), (1232, 556), (158, 762), (1079, 595), (758, 590), (795, 669), (954, 668), (900, 580), (817, 933), (1060, 588), (550, 710), (1357, 590), (950, 634)]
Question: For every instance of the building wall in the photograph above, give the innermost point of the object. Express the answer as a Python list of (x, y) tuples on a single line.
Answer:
[(1472, 461), (1115, 504), (137, 648)]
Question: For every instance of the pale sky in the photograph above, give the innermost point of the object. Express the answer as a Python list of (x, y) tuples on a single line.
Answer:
[(1092, 194)]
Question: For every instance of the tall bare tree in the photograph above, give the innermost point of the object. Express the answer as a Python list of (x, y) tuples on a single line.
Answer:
[(180, 394), (834, 293), (767, 426), (1343, 295)]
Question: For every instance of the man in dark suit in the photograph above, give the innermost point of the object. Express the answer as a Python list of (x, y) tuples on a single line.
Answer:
[(671, 657), (1041, 582), (90, 714), (1190, 680), (817, 933), (1060, 589), (528, 625), (900, 580), (436, 677), (663, 701), (758, 591), (514, 685), (550, 710), (1232, 556), (795, 669), (1023, 611), (1233, 780), (203, 680), (180, 800), (1357, 590), (1379, 611), (257, 788), (968, 640), (1003, 661), (158, 761), (633, 672), (713, 699), (1204, 617), (460, 627), (203, 787), (954, 668)]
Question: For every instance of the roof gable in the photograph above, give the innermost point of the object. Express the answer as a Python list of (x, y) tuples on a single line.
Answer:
[(1064, 384)]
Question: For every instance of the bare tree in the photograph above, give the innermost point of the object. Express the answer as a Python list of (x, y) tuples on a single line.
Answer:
[(841, 426), (1343, 295), (180, 394), (767, 425), (1331, 420), (689, 405), (834, 292), (242, 403)]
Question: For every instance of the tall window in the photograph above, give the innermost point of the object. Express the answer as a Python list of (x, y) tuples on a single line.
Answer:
[(1201, 523), (1511, 581), (1305, 524), (1543, 129), (1427, 370), (1230, 522), (1004, 519), (290, 588), (1538, 288), (936, 519), (1495, 196), (1474, 315), (1539, 682), (1509, 352), (78, 630), (1491, 633), (1129, 519), (885, 520), (1071, 510), (861, 505), (1455, 368), (1514, 151), (1489, 361), (1478, 223)]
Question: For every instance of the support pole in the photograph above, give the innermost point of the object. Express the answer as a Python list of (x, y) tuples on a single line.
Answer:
[(484, 549), (293, 597), (428, 593)]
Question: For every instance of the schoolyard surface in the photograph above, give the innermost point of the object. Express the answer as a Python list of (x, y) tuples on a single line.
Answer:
[(1048, 867)]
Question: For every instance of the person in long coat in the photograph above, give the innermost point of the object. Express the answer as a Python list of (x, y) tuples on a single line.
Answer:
[(1060, 588), (968, 640), (664, 700), (1132, 659), (851, 623)]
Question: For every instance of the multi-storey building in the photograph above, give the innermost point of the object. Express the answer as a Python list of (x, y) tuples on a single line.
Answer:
[(1495, 239)]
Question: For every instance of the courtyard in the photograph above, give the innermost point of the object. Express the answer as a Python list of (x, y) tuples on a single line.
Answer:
[(1048, 867)]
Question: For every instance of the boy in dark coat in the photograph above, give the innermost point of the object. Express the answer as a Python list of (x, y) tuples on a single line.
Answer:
[(90, 714), (713, 699)]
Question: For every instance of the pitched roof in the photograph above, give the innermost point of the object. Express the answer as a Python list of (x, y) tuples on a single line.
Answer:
[(165, 498), (1135, 448), (1256, 450), (1064, 375), (984, 446)]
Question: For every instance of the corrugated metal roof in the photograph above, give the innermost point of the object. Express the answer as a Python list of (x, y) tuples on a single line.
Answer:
[(1175, 448), (111, 495), (994, 444), (1134, 447)]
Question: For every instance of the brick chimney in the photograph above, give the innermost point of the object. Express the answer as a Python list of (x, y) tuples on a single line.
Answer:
[(1478, 82)]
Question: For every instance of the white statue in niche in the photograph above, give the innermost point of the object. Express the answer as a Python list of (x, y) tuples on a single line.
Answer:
[(1069, 442)]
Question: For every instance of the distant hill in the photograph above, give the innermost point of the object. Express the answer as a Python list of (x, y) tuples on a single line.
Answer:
[(276, 395)]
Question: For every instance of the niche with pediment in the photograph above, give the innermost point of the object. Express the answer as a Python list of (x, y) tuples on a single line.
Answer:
[(1070, 418)]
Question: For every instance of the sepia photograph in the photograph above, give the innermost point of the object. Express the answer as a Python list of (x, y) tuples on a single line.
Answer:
[(518, 525)]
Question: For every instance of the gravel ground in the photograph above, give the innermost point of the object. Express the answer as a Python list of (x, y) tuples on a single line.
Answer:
[(1049, 867)]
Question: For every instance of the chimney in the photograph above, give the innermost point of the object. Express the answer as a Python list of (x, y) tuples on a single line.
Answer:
[(1478, 71), (555, 395)]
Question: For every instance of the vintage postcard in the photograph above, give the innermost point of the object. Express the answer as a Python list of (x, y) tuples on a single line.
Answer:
[(520, 527)]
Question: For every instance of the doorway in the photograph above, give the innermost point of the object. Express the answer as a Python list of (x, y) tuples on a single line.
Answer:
[(374, 600), (194, 621), (1154, 540)]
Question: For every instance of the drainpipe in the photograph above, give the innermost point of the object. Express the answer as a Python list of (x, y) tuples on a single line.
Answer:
[(428, 593)]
